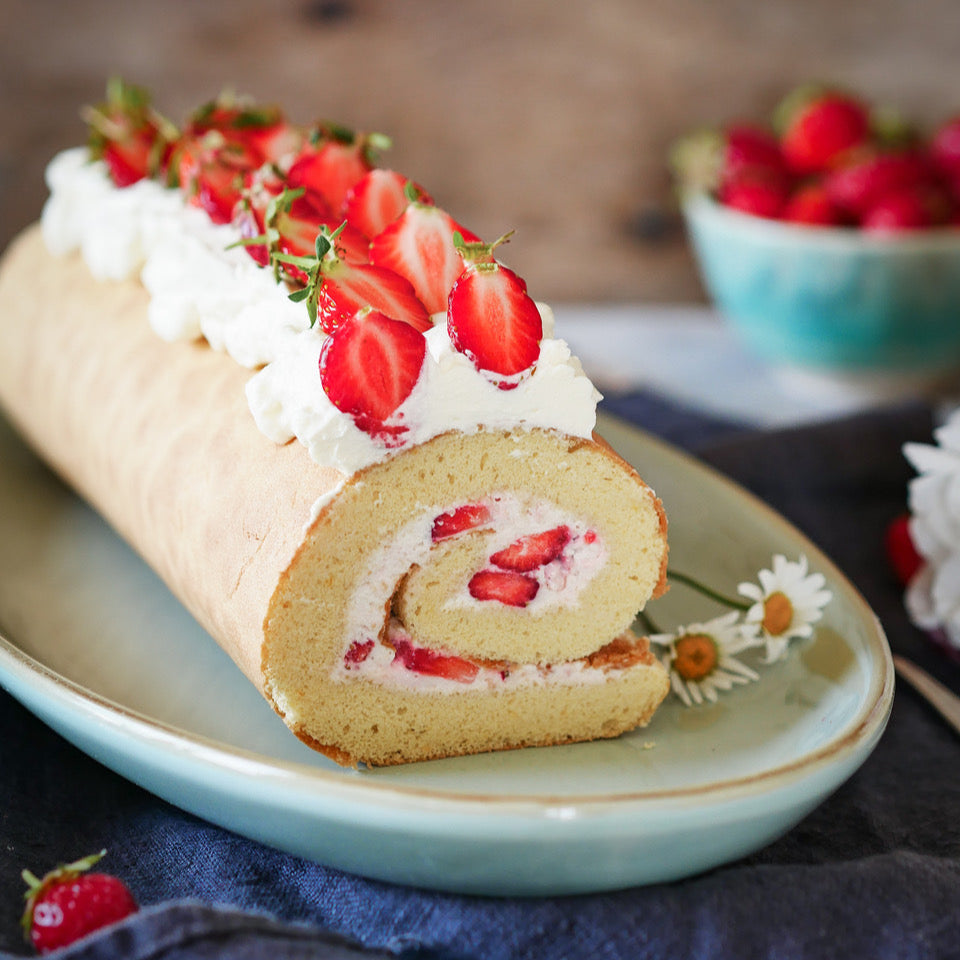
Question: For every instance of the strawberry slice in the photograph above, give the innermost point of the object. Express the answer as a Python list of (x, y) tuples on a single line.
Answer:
[(368, 367), (131, 138), (423, 660), (264, 130), (493, 321), (211, 171), (533, 551), (508, 587), (378, 198), (419, 246), (334, 161), (357, 653), (459, 520), (349, 287)]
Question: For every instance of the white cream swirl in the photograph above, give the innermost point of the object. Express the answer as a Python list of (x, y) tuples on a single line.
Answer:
[(200, 288)]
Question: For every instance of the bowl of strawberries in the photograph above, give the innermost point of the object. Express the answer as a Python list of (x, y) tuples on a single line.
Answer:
[(830, 236)]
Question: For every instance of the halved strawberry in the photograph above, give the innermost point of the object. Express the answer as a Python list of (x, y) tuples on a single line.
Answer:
[(419, 246), (459, 520), (211, 171), (532, 551), (263, 129), (504, 586), (493, 321), (378, 198), (368, 367), (334, 160), (131, 138), (423, 660)]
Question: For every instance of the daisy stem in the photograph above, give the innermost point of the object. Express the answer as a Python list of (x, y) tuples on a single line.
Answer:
[(649, 624), (707, 592)]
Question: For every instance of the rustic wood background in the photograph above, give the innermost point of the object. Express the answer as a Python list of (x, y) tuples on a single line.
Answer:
[(552, 117)]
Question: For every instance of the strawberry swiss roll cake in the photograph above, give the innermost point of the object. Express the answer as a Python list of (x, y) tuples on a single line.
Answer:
[(339, 428)]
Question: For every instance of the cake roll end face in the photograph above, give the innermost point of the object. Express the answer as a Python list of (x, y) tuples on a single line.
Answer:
[(480, 568)]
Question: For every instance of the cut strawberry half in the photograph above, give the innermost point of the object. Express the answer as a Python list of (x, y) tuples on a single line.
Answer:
[(460, 520), (132, 138), (493, 321), (212, 171), (419, 246), (378, 198), (431, 663), (334, 161), (508, 587), (347, 288), (357, 653), (368, 367), (533, 551)]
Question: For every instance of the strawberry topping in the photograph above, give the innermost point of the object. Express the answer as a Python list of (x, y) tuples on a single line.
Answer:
[(492, 320), (419, 246), (368, 367), (357, 653), (377, 199), (508, 587), (457, 521), (533, 551)]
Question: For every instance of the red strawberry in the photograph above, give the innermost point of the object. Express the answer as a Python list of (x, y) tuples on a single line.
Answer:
[(357, 653), (868, 176), (378, 199), (422, 660), (945, 148), (748, 147), (263, 130), (819, 126), (756, 192), (68, 903), (419, 246), (532, 551), (368, 367), (505, 586), (128, 134), (491, 318), (457, 521), (211, 171), (811, 205), (334, 162), (901, 552), (915, 207)]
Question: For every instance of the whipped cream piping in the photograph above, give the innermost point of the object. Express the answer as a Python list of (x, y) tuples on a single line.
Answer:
[(200, 288)]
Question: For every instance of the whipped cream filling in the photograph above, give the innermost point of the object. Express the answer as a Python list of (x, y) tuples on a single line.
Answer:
[(561, 581), (200, 287)]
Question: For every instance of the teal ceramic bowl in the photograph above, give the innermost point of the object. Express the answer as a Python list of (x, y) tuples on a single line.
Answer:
[(828, 297)]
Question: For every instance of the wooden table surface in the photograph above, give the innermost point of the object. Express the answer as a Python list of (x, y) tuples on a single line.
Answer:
[(548, 117)]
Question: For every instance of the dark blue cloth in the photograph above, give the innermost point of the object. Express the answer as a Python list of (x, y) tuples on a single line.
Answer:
[(872, 873)]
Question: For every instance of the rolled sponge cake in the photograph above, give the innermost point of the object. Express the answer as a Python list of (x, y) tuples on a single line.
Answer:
[(355, 621)]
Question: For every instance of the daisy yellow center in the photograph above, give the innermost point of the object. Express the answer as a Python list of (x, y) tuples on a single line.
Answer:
[(777, 613), (696, 656)]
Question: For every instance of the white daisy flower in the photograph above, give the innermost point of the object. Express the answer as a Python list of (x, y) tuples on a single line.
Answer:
[(700, 658), (787, 601), (933, 595)]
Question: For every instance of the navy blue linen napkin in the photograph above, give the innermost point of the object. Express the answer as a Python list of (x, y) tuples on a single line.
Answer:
[(872, 873)]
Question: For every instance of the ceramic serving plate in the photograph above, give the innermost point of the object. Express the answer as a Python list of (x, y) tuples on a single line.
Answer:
[(96, 647)]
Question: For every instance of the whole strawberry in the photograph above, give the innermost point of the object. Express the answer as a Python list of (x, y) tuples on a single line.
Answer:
[(68, 903), (818, 126)]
